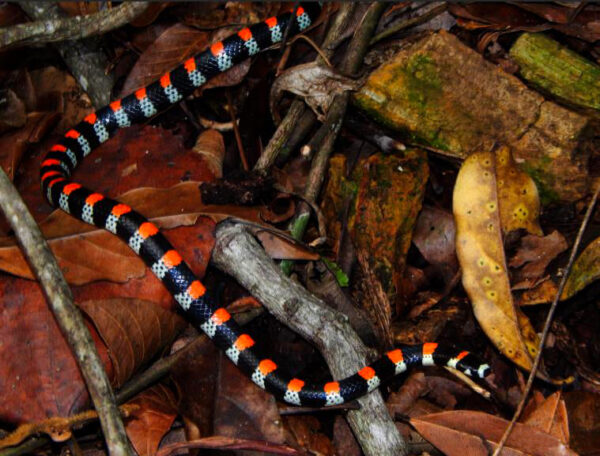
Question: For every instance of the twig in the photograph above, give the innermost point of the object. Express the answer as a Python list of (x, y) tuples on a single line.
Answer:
[(314, 46), (329, 130), (237, 253), (84, 58), (297, 109), (69, 28), (548, 322), (67, 315), (236, 132)]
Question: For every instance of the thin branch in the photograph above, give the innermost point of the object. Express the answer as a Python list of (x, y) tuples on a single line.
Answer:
[(60, 300), (70, 28), (548, 322), (436, 10)]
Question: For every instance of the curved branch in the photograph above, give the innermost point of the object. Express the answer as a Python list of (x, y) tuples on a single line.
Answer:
[(237, 253)]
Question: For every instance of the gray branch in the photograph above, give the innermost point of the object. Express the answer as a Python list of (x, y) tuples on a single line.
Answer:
[(69, 28), (237, 253)]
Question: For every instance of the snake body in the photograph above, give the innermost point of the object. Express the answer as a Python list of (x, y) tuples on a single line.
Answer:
[(166, 263)]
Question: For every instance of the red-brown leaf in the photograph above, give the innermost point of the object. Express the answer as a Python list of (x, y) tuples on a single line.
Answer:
[(133, 330), (462, 432), (148, 425), (39, 377)]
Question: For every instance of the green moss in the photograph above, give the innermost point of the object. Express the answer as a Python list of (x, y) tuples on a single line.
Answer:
[(537, 173)]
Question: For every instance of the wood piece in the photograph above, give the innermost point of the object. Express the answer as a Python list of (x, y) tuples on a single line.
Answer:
[(442, 93), (558, 70)]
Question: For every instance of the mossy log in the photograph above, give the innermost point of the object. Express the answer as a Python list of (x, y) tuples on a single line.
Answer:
[(558, 70), (441, 93)]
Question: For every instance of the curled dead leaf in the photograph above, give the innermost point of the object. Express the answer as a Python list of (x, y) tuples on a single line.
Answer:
[(211, 147), (318, 85)]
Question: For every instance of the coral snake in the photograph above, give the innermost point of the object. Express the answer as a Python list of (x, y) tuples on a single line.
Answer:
[(166, 263)]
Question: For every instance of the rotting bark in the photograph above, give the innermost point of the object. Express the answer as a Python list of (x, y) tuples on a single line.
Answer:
[(558, 70), (237, 253), (68, 317), (84, 58), (441, 93)]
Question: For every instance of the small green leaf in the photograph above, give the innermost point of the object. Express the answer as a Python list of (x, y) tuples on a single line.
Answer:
[(340, 275)]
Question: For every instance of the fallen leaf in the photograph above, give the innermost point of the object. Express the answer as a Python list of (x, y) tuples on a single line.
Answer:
[(151, 420), (134, 331), (316, 83), (463, 432), (535, 253), (481, 255), (242, 409), (586, 269), (172, 47), (44, 379), (551, 417), (434, 236), (211, 147), (540, 294), (12, 111)]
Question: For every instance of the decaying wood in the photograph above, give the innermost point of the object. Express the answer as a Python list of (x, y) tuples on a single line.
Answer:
[(237, 253), (441, 93), (558, 70)]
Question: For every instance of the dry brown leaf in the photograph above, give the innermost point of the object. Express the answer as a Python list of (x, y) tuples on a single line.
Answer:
[(536, 252), (211, 147), (434, 236), (463, 432), (171, 48), (12, 111), (551, 417), (152, 419), (133, 331)]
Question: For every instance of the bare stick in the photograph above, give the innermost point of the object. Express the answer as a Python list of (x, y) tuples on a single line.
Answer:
[(58, 295), (70, 28), (548, 322), (237, 253)]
